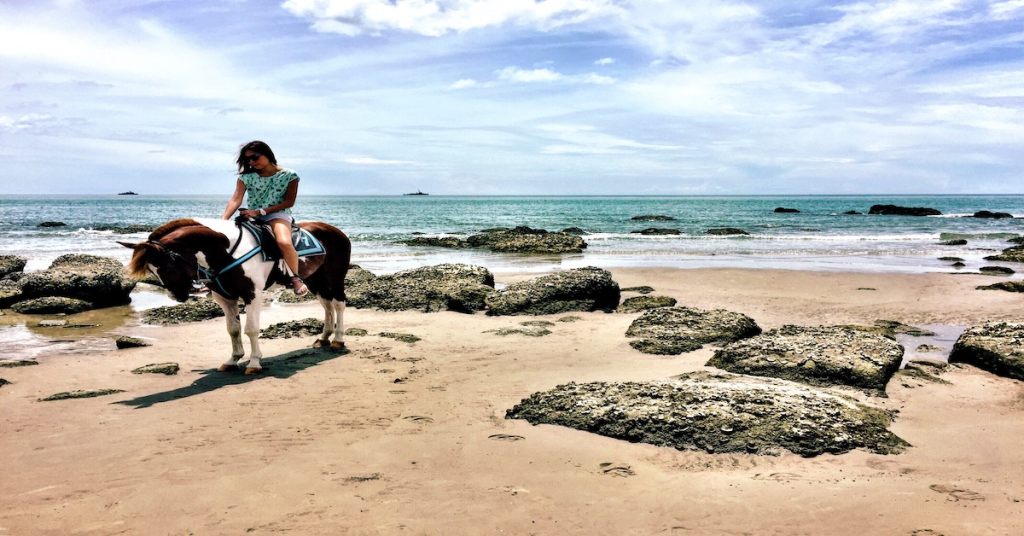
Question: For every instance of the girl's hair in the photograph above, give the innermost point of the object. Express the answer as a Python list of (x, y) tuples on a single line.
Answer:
[(255, 146)]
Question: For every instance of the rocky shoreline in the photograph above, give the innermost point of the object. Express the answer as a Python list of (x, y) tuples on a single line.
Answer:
[(708, 411)]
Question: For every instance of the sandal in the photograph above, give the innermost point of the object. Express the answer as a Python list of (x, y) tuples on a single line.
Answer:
[(298, 287)]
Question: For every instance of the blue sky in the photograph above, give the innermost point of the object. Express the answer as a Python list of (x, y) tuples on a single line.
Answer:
[(481, 97)]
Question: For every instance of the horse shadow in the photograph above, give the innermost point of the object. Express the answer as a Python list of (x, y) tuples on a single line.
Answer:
[(283, 366)]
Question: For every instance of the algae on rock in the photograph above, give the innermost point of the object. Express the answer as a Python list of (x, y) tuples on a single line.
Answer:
[(997, 347), (820, 355), (579, 289), (717, 412), (674, 330)]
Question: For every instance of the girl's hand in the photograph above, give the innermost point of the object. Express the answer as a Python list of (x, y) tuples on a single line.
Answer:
[(249, 213)]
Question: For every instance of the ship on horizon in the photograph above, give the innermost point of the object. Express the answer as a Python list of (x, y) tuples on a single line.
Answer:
[(129, 192), (418, 192)]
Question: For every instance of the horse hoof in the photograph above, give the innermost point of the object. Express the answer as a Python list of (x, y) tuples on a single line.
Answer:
[(225, 368), (319, 343), (252, 371), (337, 345)]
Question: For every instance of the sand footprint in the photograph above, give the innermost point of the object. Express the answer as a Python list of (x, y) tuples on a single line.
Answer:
[(418, 418), (617, 469), (506, 437), (957, 494)]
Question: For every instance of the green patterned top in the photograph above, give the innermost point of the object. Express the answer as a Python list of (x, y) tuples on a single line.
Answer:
[(268, 191)]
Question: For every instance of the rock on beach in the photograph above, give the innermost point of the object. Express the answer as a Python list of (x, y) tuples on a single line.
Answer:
[(718, 413), (101, 281), (50, 305), (819, 355), (997, 347), (521, 239), (10, 264), (643, 303), (444, 287), (1011, 254), (674, 330), (194, 310), (579, 289)]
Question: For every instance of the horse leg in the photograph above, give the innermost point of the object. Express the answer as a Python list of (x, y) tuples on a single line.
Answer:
[(328, 323), (339, 324), (252, 330), (234, 325)]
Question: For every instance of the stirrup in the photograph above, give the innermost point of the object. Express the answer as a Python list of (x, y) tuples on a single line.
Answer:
[(298, 286)]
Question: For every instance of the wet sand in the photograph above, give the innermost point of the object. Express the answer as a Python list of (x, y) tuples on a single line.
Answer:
[(394, 438)]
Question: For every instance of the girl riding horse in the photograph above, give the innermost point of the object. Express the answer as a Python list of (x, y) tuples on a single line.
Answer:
[(271, 190)]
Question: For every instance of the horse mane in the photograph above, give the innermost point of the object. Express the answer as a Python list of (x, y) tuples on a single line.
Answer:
[(137, 266), (170, 227)]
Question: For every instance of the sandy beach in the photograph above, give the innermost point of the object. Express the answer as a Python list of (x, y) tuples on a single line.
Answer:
[(400, 438)]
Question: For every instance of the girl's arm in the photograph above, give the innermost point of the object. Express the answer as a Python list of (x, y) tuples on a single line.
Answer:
[(289, 197), (236, 200)]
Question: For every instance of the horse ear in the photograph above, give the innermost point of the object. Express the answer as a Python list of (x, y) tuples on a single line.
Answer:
[(128, 245)]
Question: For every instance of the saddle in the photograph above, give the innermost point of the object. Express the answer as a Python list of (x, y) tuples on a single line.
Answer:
[(306, 245)]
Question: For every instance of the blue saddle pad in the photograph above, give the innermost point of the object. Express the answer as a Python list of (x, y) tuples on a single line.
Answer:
[(306, 245)]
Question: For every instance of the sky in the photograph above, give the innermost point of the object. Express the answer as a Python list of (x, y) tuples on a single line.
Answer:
[(515, 97)]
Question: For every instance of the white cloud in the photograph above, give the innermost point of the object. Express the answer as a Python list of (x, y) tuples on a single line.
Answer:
[(515, 74), (587, 139), (1006, 10), (438, 17), (370, 161), (604, 61), (462, 84)]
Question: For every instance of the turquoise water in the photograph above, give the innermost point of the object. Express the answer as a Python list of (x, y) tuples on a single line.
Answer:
[(820, 237)]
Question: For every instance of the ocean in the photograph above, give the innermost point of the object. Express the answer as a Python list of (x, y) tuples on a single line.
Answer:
[(819, 237)]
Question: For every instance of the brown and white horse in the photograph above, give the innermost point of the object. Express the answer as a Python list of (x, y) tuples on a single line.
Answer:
[(179, 252)]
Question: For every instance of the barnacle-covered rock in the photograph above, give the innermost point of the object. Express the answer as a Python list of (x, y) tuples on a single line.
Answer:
[(526, 240), (579, 289), (1009, 286), (518, 240), (194, 310), (169, 369), (436, 241), (1011, 254), (81, 393), (667, 329), (445, 287), (295, 328), (997, 347), (10, 264), (10, 292), (50, 305), (716, 412), (101, 281), (643, 303), (819, 355)]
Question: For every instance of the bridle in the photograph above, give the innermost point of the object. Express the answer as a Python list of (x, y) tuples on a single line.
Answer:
[(207, 277)]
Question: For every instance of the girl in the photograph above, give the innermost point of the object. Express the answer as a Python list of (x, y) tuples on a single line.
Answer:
[(272, 191)]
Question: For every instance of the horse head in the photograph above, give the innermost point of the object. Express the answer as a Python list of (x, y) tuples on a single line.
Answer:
[(172, 263), (174, 271)]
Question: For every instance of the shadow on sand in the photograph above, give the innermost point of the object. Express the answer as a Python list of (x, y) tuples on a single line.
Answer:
[(282, 366)]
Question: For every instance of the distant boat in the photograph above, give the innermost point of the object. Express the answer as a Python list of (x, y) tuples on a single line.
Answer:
[(129, 192), (417, 192)]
